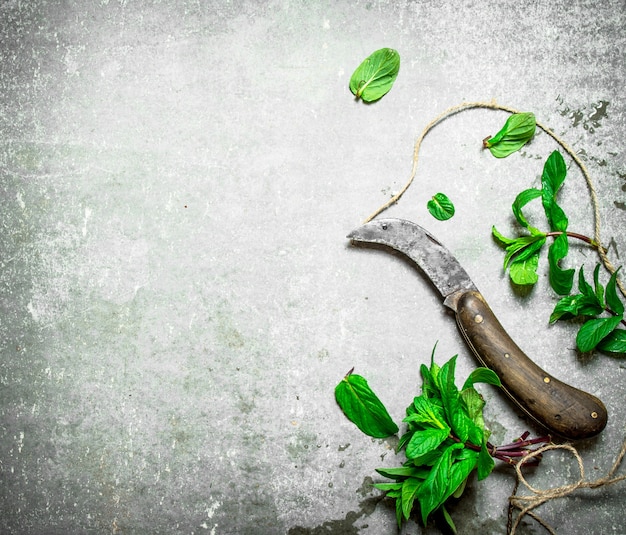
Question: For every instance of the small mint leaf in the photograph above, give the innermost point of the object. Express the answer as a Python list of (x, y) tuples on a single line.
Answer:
[(440, 207), (518, 130), (614, 342), (594, 331), (362, 407)]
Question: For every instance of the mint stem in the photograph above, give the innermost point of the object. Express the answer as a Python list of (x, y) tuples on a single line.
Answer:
[(581, 237), (513, 452)]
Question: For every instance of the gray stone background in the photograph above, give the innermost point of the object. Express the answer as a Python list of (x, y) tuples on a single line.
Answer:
[(178, 296)]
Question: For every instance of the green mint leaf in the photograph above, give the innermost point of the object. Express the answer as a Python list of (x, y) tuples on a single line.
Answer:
[(460, 471), (448, 519), (440, 207), (614, 342), (501, 238), (485, 462), (553, 176), (410, 488), (429, 386), (388, 486), (482, 375), (425, 441), (516, 132), (585, 288), (363, 408), (523, 248), (525, 272), (375, 76), (598, 287), (403, 472), (612, 299), (554, 172), (522, 200), (435, 489), (576, 305), (561, 280), (461, 424), (426, 411), (593, 331)]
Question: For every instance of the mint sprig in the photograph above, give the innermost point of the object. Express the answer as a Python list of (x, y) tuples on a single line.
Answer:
[(445, 441), (589, 304), (523, 252)]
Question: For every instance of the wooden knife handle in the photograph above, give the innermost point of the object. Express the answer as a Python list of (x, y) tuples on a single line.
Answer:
[(562, 409)]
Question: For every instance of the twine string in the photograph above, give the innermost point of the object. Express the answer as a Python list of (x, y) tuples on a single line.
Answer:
[(493, 105), (527, 503)]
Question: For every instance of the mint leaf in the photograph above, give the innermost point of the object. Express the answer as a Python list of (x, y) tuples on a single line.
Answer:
[(403, 472), (485, 462), (363, 408), (375, 76), (516, 132), (460, 470), (575, 305), (561, 280), (599, 289), (593, 331), (423, 442), (434, 491), (440, 207), (522, 199), (553, 176), (425, 411), (612, 300), (523, 248), (482, 375), (614, 342), (525, 272), (410, 488)]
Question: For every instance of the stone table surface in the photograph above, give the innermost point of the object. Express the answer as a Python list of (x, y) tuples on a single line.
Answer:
[(179, 298)]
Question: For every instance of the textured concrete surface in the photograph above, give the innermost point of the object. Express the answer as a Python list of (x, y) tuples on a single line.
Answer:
[(178, 296)]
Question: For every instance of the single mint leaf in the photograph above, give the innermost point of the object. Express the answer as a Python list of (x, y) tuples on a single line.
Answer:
[(593, 331), (525, 272), (612, 299), (518, 130), (614, 342), (457, 418), (375, 76), (561, 280), (403, 472), (522, 200), (426, 411), (363, 408), (425, 441), (388, 486), (597, 286), (482, 375), (410, 488), (553, 176), (448, 518), (475, 404), (485, 462), (434, 491), (440, 207), (575, 305), (460, 470), (585, 288), (501, 238)]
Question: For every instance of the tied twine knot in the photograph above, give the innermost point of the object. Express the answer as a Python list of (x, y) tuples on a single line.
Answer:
[(527, 503)]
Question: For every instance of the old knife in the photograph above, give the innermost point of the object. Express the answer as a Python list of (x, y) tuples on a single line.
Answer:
[(562, 409)]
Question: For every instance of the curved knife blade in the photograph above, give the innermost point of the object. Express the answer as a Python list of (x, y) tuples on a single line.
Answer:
[(562, 409)]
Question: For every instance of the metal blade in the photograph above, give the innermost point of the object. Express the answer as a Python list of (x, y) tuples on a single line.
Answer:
[(441, 267)]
